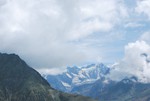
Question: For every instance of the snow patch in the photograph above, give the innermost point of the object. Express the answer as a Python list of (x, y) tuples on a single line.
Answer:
[(65, 84), (69, 75)]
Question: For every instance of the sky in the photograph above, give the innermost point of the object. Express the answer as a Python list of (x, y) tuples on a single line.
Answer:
[(52, 34)]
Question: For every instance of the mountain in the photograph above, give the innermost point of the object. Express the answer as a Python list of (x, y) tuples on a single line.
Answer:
[(79, 79), (19, 82), (95, 89), (92, 81), (127, 89)]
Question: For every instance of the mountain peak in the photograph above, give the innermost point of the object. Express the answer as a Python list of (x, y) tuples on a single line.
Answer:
[(20, 80), (12, 59), (73, 69), (13, 55)]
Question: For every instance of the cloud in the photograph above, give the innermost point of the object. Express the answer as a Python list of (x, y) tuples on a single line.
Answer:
[(52, 71), (133, 25), (145, 37), (134, 62), (143, 7), (50, 33)]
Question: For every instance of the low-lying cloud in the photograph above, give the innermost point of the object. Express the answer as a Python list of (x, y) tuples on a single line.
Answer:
[(135, 62)]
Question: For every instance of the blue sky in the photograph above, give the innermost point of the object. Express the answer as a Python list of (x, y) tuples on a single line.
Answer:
[(57, 33)]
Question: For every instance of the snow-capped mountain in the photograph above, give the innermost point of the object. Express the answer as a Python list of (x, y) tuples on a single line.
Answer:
[(78, 76), (93, 81)]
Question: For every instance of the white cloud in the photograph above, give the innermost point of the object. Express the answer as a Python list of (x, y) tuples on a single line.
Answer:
[(56, 33), (52, 71), (133, 25), (2, 2), (143, 7), (133, 63), (42, 31), (145, 37)]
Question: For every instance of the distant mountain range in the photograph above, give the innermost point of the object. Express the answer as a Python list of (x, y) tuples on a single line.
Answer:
[(77, 76), (19, 82), (92, 81)]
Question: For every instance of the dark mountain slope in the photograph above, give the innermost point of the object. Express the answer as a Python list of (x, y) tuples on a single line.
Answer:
[(19, 82)]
